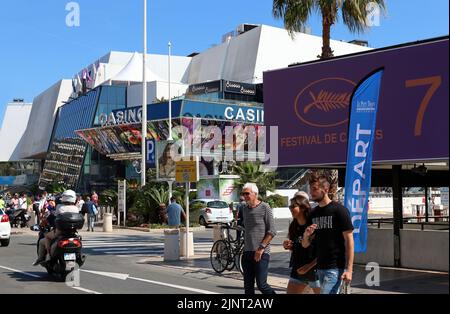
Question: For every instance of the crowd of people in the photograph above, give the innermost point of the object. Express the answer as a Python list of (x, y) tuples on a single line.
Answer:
[(44, 205)]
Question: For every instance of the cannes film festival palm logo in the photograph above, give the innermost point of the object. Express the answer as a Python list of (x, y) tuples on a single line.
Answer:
[(325, 103), (73, 17)]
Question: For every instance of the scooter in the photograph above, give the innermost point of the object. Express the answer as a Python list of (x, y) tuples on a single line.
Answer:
[(66, 250), (18, 218)]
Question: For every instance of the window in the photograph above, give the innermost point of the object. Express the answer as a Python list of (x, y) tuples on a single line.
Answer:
[(217, 204)]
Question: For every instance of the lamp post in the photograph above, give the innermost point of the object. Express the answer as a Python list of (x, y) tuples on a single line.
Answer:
[(170, 97), (144, 99), (170, 182)]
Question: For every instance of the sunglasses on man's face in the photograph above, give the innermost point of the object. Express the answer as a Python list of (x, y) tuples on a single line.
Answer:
[(246, 193)]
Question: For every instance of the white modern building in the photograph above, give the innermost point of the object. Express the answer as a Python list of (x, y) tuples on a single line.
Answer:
[(12, 130), (243, 56)]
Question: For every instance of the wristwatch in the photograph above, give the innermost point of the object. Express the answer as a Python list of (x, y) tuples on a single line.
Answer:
[(262, 246)]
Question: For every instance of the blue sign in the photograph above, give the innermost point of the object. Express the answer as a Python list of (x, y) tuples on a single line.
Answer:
[(150, 153), (363, 117), (220, 111)]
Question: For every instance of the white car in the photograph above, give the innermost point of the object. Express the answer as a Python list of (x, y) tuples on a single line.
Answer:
[(214, 211), (5, 228)]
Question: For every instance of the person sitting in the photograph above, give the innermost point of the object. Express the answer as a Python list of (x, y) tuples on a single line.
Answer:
[(68, 200)]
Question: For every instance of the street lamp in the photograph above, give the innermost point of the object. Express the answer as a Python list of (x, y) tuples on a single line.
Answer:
[(144, 98), (170, 182), (170, 98)]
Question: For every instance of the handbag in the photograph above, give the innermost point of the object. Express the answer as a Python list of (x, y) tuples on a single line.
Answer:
[(306, 268)]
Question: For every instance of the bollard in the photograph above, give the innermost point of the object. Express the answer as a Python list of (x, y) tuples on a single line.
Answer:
[(183, 243), (171, 245), (107, 222)]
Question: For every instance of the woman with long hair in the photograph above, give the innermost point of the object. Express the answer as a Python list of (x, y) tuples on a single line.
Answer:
[(303, 261)]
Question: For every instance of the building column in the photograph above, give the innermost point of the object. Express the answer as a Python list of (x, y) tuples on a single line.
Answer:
[(397, 195)]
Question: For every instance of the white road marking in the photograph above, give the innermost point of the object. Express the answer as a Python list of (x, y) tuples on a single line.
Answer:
[(86, 290), (37, 276), (173, 286), (126, 276), (106, 274)]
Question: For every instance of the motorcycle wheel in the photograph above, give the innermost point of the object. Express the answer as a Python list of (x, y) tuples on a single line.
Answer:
[(49, 270)]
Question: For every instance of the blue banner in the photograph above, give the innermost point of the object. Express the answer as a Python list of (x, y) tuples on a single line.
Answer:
[(363, 117)]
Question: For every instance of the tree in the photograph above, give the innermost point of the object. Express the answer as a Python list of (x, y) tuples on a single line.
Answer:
[(251, 172), (159, 195), (295, 14)]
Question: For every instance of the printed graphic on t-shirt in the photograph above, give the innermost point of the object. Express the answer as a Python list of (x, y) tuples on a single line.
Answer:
[(323, 222)]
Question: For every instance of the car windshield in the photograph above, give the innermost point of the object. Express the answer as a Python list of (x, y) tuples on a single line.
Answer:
[(217, 204)]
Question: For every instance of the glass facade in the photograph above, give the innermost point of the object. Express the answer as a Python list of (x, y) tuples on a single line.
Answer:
[(80, 150), (65, 156), (111, 98), (69, 159)]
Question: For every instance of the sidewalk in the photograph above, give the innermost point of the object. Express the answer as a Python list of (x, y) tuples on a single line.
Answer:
[(392, 281)]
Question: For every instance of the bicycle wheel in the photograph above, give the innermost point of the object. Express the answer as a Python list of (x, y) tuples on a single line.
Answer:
[(238, 261), (220, 256), (231, 263)]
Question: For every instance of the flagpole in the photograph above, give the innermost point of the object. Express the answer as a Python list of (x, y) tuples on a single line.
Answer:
[(170, 98), (144, 99)]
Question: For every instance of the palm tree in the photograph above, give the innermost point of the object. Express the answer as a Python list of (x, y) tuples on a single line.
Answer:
[(295, 14), (251, 172)]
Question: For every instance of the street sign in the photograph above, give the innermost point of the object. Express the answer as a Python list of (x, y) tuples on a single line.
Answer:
[(187, 171), (122, 201), (151, 153)]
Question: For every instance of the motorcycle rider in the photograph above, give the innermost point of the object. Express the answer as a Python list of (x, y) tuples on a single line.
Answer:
[(68, 200)]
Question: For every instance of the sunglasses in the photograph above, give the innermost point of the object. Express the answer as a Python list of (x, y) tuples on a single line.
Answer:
[(246, 193)]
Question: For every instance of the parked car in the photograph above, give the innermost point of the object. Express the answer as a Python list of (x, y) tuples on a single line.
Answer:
[(5, 228), (214, 211)]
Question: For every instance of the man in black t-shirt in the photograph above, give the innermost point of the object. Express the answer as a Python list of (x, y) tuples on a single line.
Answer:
[(331, 225)]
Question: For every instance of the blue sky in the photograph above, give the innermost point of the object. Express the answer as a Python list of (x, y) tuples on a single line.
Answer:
[(37, 48)]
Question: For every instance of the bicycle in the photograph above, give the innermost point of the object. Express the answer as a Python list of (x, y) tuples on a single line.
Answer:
[(226, 253)]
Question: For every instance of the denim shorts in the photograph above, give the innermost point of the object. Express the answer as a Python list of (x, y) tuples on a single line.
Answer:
[(299, 280), (311, 284)]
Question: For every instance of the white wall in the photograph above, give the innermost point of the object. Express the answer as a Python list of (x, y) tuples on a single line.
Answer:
[(113, 63), (13, 127), (42, 117), (380, 248), (263, 48), (277, 49), (426, 249), (207, 65), (154, 90)]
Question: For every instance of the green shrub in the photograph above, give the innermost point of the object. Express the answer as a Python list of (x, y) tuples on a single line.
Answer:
[(276, 200)]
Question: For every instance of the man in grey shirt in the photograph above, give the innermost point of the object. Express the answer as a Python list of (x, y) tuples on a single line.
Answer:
[(259, 231)]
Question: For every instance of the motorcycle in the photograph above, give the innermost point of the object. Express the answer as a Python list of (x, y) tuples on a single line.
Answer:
[(18, 218), (66, 249)]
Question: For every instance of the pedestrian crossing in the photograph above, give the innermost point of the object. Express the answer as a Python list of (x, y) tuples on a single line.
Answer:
[(135, 246)]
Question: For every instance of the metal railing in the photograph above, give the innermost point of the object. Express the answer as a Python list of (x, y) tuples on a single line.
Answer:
[(294, 179), (439, 221)]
